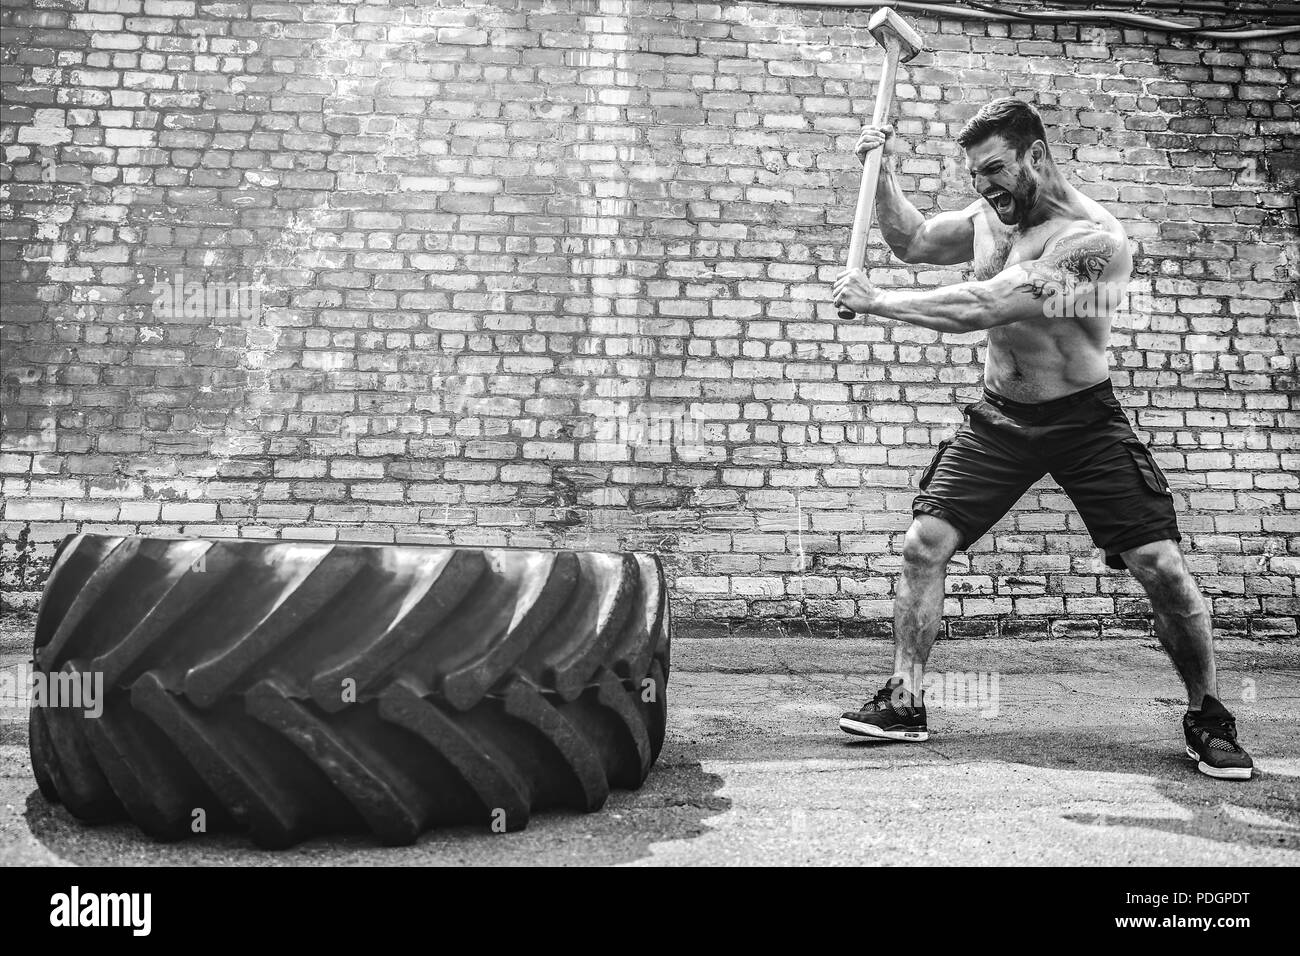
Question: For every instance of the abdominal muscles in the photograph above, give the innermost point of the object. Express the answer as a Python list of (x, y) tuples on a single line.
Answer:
[(1043, 360)]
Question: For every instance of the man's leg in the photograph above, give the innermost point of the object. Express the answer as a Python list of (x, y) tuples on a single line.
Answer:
[(1183, 626), (918, 605), (1182, 617), (973, 480)]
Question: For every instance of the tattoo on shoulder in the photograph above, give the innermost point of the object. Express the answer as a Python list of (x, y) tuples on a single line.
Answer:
[(1074, 262)]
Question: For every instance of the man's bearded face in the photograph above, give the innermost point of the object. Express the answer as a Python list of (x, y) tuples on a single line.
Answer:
[(1008, 183)]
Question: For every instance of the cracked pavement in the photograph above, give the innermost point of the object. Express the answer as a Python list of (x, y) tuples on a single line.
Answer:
[(1076, 760)]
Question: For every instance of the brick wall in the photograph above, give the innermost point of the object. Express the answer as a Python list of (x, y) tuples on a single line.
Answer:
[(556, 274)]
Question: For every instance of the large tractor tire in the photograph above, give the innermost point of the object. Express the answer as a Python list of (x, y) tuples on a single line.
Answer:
[(287, 689)]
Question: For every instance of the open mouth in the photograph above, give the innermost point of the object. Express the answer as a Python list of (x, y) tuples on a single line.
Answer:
[(1001, 201)]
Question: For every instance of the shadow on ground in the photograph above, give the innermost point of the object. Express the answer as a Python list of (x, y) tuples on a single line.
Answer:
[(1262, 812), (1105, 723)]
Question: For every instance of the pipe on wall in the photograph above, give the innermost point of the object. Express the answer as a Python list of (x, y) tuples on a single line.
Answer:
[(981, 11)]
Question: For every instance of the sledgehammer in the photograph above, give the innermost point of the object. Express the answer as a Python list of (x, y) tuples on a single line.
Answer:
[(901, 43)]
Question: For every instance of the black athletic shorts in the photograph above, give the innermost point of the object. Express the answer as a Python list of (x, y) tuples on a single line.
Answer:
[(1083, 440)]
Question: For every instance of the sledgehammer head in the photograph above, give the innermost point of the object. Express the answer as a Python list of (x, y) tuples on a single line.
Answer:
[(885, 23)]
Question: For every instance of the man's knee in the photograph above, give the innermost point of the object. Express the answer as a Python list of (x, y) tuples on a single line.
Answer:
[(930, 543), (1162, 572), (1160, 562)]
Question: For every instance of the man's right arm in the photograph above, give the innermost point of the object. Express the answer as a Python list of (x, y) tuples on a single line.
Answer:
[(946, 239)]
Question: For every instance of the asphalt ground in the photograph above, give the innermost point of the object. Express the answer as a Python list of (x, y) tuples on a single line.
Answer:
[(1043, 752)]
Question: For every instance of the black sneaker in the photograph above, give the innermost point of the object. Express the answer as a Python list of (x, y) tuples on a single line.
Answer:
[(893, 714), (1211, 736)]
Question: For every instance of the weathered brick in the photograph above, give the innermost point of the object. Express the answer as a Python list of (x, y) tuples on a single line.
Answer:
[(521, 235)]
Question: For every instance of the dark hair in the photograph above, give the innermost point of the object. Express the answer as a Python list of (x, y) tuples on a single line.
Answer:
[(1014, 120)]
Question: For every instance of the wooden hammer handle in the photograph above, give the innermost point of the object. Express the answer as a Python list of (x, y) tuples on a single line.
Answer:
[(871, 170)]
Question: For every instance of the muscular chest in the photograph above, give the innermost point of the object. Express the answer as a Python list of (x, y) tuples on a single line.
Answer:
[(998, 246)]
